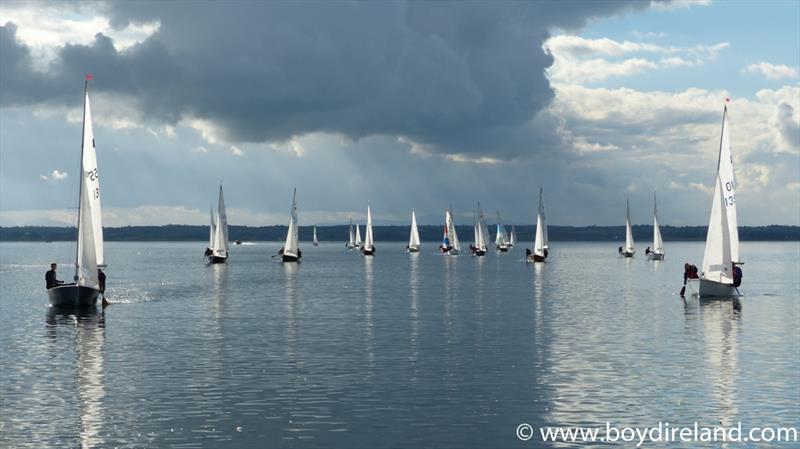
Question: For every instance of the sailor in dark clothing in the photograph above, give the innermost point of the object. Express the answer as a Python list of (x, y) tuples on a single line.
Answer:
[(102, 278), (50, 277), (737, 275), (647, 251), (619, 250), (208, 252), (527, 251), (689, 272)]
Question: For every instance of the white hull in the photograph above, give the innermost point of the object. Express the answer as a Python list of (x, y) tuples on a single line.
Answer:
[(73, 295), (655, 256), (711, 289)]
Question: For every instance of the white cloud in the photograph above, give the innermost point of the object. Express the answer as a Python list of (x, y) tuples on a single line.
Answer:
[(236, 151), (678, 4), (200, 149), (771, 71), (578, 59), (54, 176)]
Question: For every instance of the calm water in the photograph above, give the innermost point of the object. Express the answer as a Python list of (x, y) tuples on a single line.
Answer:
[(396, 351)]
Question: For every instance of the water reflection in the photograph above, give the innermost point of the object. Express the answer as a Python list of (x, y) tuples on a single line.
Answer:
[(89, 337), (721, 334), (290, 274), (369, 330), (414, 313)]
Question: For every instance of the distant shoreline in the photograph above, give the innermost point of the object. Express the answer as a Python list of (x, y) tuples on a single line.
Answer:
[(388, 233)]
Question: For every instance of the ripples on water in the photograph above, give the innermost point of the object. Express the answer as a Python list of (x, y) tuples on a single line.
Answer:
[(398, 350)]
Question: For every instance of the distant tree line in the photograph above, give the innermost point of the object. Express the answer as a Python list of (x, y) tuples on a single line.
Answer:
[(642, 233)]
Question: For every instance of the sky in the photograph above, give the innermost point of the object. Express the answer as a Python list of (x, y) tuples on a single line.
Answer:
[(405, 105)]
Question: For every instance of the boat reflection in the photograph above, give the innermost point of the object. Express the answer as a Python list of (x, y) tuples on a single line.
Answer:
[(413, 284), (369, 330), (89, 337)]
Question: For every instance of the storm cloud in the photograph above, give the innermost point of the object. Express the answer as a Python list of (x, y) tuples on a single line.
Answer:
[(455, 79)]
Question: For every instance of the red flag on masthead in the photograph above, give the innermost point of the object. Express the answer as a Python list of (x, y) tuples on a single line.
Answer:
[(89, 77)]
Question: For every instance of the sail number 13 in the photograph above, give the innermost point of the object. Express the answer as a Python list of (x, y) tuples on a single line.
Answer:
[(729, 199), (93, 176)]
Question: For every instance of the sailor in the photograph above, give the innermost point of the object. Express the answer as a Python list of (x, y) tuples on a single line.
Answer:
[(208, 252), (737, 275), (619, 250), (101, 277), (50, 277), (647, 251)]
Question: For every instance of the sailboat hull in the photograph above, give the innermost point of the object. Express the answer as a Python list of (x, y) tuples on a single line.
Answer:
[(216, 259), (73, 295), (711, 289), (536, 258), (413, 249), (626, 254), (502, 249), (478, 252), (289, 258), (368, 252), (655, 256)]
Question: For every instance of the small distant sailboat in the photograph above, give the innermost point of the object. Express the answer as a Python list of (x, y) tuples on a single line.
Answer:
[(540, 243), (450, 244), (628, 250), (89, 252), (369, 243), (351, 237), (721, 274), (512, 240), (413, 239), (358, 236), (657, 252), (479, 245), (217, 251), (501, 237), (291, 248), (314, 239)]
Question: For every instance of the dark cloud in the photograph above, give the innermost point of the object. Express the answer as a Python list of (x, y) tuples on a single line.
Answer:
[(462, 78)]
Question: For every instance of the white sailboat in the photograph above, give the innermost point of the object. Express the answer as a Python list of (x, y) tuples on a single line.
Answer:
[(89, 252), (351, 237), (512, 240), (212, 229), (540, 243), (720, 275), (369, 243), (501, 236), (314, 239), (217, 252), (358, 237), (628, 250), (450, 244), (413, 239), (481, 235), (657, 252), (291, 248)]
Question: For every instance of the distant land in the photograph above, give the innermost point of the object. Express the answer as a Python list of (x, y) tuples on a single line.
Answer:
[(338, 233)]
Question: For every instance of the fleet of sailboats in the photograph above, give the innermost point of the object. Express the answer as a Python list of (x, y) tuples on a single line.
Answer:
[(217, 251), (89, 257), (540, 243), (628, 250), (657, 250), (720, 275), (413, 238)]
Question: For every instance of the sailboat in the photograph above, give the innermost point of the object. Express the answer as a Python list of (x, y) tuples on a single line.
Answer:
[(628, 250), (413, 239), (540, 243), (314, 239), (479, 246), (369, 244), (358, 237), (291, 248), (501, 237), (89, 252), (720, 275), (351, 237), (657, 252), (512, 240), (217, 251), (450, 244)]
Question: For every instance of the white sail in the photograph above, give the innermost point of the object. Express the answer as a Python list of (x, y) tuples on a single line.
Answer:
[(658, 243), (351, 241), (451, 226), (512, 240), (220, 247), (540, 240), (722, 240), (212, 228), (314, 239), (413, 239), (628, 230), (358, 236), (90, 224), (501, 237), (481, 233), (368, 238), (290, 247)]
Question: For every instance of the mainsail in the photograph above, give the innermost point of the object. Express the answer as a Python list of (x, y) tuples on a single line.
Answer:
[(220, 247), (629, 248), (368, 239), (212, 228), (351, 240), (89, 255), (722, 240), (451, 230), (501, 237), (314, 239), (512, 240), (290, 247), (358, 236), (540, 241), (658, 243), (413, 239)]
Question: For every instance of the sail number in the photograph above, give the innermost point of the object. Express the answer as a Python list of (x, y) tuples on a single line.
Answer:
[(730, 199), (92, 174)]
